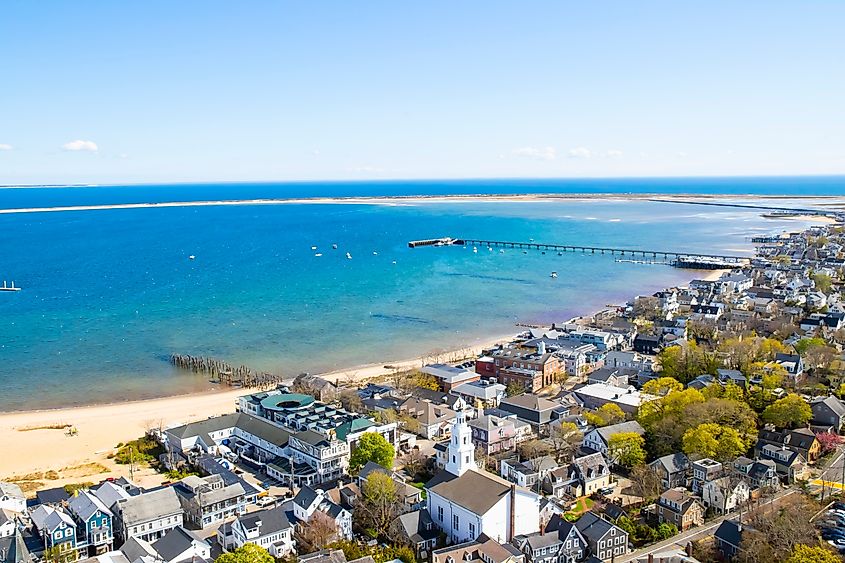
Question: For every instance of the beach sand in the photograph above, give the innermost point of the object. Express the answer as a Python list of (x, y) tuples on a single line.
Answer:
[(35, 447)]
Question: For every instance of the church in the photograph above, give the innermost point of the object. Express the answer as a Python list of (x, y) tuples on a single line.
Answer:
[(466, 502)]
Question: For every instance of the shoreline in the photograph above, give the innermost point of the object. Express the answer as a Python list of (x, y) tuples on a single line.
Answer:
[(692, 199)]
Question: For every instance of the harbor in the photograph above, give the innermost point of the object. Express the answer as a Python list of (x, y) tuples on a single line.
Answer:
[(10, 287)]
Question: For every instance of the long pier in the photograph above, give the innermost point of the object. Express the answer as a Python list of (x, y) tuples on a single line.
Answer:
[(678, 258)]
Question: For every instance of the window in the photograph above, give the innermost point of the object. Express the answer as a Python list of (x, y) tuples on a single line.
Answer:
[(456, 523), (440, 513), (472, 530)]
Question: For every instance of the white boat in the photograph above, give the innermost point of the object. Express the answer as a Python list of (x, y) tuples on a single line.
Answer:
[(348, 256), (9, 287), (501, 251), (191, 257), (375, 253), (553, 275), (313, 248), (490, 248), (318, 254), (475, 249), (334, 246), (393, 262)]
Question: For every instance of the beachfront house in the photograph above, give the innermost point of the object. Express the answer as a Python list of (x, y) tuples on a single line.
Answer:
[(56, 529), (148, 516), (209, 500), (95, 533)]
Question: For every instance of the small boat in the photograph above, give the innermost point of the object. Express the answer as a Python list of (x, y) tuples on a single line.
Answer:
[(475, 249), (501, 251), (490, 248), (348, 256), (553, 275), (393, 262), (313, 248), (318, 254), (560, 253), (192, 257), (9, 287), (375, 253), (525, 252), (334, 246)]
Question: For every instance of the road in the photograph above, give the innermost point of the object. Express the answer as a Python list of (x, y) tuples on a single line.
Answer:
[(832, 476), (681, 540)]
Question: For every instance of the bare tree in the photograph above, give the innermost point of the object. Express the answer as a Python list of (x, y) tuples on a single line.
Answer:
[(316, 533)]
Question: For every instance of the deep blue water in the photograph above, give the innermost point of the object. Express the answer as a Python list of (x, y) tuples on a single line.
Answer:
[(110, 294)]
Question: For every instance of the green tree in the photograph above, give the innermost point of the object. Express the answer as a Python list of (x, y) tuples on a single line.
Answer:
[(514, 389), (789, 412), (565, 437), (733, 392), (380, 504), (719, 442), (372, 447), (670, 406), (812, 554), (62, 553), (666, 530), (823, 282), (626, 449), (662, 386), (247, 553), (725, 412), (609, 413), (805, 344)]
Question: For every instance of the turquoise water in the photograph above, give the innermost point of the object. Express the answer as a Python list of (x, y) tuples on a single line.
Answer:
[(109, 295)]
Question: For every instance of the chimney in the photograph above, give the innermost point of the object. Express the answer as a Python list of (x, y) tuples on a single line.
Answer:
[(511, 531), (650, 558), (689, 549)]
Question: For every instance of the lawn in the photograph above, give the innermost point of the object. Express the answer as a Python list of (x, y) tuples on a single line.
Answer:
[(582, 505)]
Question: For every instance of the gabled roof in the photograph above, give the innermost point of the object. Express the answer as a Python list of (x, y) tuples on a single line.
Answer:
[(109, 493), (85, 505), (136, 548), (630, 426), (149, 506), (832, 403), (594, 527), (305, 497), (176, 542), (672, 463), (11, 490), (475, 491), (273, 520), (418, 526), (531, 402), (371, 467), (730, 532)]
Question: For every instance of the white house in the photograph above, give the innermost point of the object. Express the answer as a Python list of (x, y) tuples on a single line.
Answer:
[(11, 497), (723, 496), (465, 502), (269, 529), (308, 501), (598, 438), (148, 516)]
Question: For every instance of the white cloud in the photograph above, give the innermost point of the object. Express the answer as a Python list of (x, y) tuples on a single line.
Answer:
[(5, 147), (78, 145), (539, 153), (613, 153), (580, 152)]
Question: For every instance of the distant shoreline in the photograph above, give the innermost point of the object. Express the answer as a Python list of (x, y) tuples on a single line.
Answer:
[(417, 199)]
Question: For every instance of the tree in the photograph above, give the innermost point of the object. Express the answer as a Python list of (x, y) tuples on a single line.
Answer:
[(666, 530), (312, 535), (247, 553), (645, 482), (734, 414), (828, 441), (414, 462), (350, 401), (626, 449), (812, 554), (425, 381), (672, 405), (62, 553), (532, 450), (380, 505), (686, 362), (371, 447), (823, 282), (789, 412), (514, 389), (733, 392), (608, 413), (565, 437), (719, 442), (662, 386), (805, 344)]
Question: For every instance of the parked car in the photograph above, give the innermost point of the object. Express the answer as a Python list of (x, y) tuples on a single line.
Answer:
[(266, 501)]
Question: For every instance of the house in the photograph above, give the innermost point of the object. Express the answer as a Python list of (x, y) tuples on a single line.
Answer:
[(180, 546), (449, 377), (434, 420), (418, 530), (606, 540), (208, 500), (148, 516), (702, 381), (485, 393), (321, 389), (724, 494), (763, 473), (673, 470), (598, 438), (562, 545), (309, 501), (728, 538), (95, 534), (56, 528), (12, 497), (677, 506), (828, 411), (465, 502), (529, 473), (648, 344), (269, 529), (703, 471), (536, 411), (734, 376), (494, 434), (583, 476), (790, 465), (7, 524), (13, 549), (530, 368), (596, 395), (793, 364), (801, 440), (613, 376), (482, 550)]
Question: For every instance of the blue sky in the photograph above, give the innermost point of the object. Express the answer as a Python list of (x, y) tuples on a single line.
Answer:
[(180, 91)]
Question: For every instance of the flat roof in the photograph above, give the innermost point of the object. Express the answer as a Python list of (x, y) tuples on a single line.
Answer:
[(287, 401)]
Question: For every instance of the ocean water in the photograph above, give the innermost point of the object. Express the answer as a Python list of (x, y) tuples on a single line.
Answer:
[(110, 294)]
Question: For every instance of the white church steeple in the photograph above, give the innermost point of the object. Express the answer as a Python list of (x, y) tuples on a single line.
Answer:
[(461, 451)]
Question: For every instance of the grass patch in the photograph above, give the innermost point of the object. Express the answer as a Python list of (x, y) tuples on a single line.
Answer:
[(71, 488), (142, 450), (29, 486), (84, 470), (582, 505), (177, 475)]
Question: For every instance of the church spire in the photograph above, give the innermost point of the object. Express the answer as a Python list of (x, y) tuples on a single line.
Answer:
[(461, 450)]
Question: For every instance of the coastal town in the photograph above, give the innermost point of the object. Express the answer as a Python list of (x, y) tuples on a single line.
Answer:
[(699, 423)]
